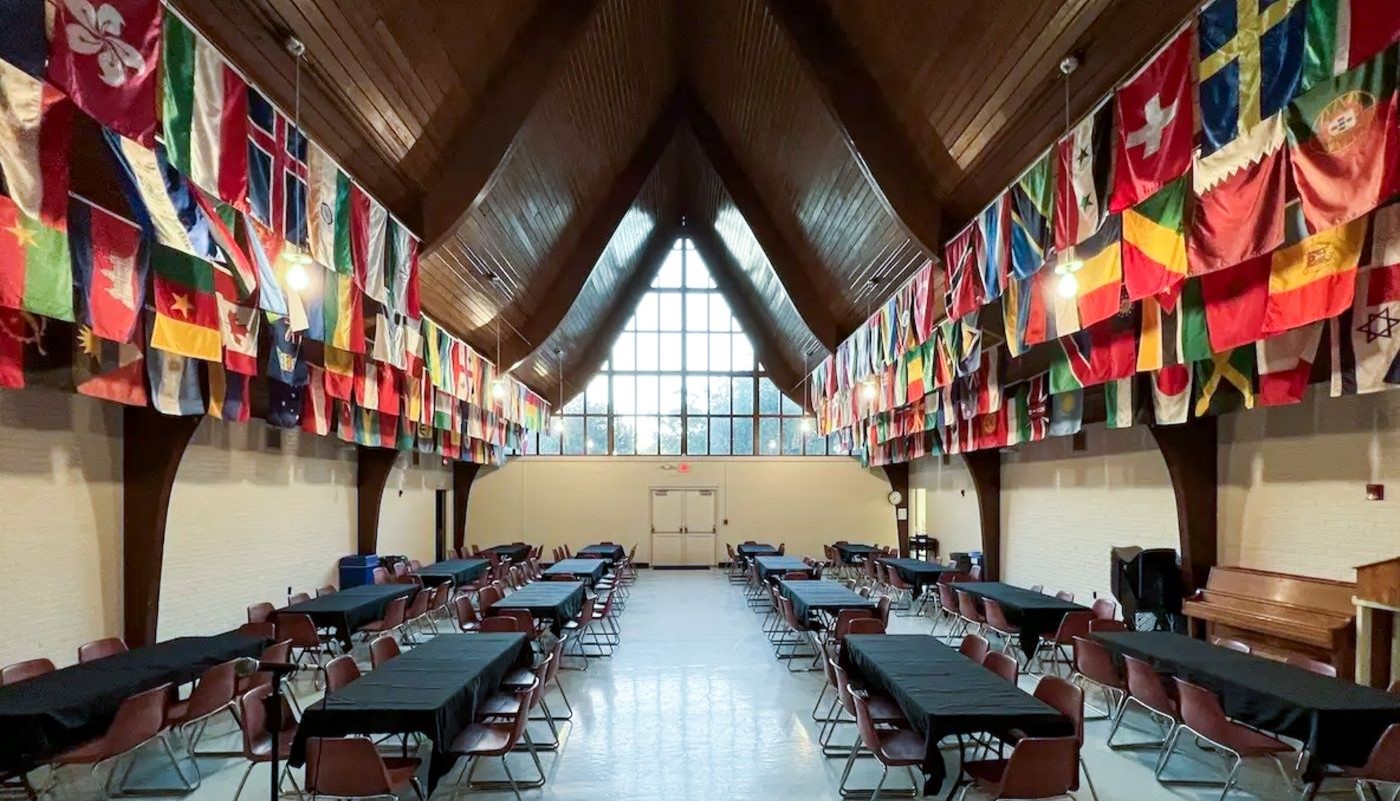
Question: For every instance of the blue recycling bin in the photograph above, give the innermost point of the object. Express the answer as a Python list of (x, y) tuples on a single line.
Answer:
[(357, 570)]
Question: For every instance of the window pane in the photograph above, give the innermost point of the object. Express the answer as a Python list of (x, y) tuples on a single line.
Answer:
[(670, 394), (670, 311), (697, 441), (834, 445), (719, 313), (696, 276), (597, 395), (670, 272), (648, 313), (670, 436), (575, 404), (719, 436), (624, 436), (647, 356), (792, 436), (719, 395), (573, 436), (743, 353), (743, 395), (672, 352), (624, 394), (646, 435), (816, 443), (697, 312), (719, 352), (768, 433), (647, 394), (790, 407), (624, 352), (549, 444), (697, 394), (767, 396), (742, 443), (695, 352), (597, 435)]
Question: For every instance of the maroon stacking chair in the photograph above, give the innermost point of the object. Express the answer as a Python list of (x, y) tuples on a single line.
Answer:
[(1065, 595), (298, 598), (575, 630), (100, 649), (1312, 665), (903, 590), (1233, 645), (467, 620), (258, 742), (1096, 626), (799, 631), (1204, 718), (260, 612), (392, 621), (884, 711), (352, 767), (1146, 691), (500, 623), (400, 569), (381, 575), (1383, 766), (845, 618), (1068, 700), (947, 608), (139, 720), (997, 623), (324, 590), (1093, 664), (896, 747), (969, 613), (1074, 624), (974, 647), (1038, 768), (418, 613), (488, 596), (215, 694), (1001, 664), (796, 575), (497, 737), (524, 621), (974, 573), (23, 671), (305, 639), (383, 649), (341, 671), (276, 652), (1104, 609)]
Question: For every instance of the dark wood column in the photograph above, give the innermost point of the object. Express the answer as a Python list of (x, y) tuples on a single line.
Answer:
[(898, 475), (463, 474), (375, 465), (1190, 453), (152, 445), (985, 467)]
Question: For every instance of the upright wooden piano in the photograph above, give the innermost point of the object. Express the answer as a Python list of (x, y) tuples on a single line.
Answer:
[(1278, 615)]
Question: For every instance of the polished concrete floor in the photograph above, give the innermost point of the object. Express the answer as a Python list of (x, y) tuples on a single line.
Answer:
[(694, 706)]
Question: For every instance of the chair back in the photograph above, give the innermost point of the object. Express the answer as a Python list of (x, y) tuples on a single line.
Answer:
[(1067, 699), (1104, 609), (896, 579), (99, 649), (967, 607), (324, 590), (138, 719), (381, 575), (500, 623), (345, 767), (419, 605), (1065, 595), (882, 609), (845, 618), (996, 616), (260, 612), (400, 569), (585, 612), (1037, 588), (414, 565), (466, 613), (298, 598), (1074, 624), (1320, 668), (1146, 686), (266, 630), (866, 625), (974, 647), (488, 596), (1040, 767), (524, 620), (796, 575), (843, 686), (975, 573), (946, 596), (299, 629), (1201, 710), (394, 612), (1002, 665), (382, 649), (23, 671), (865, 724), (442, 596), (341, 671), (790, 614), (1097, 625), (563, 577), (1384, 762), (868, 566), (252, 712), (1094, 661), (216, 689), (782, 548)]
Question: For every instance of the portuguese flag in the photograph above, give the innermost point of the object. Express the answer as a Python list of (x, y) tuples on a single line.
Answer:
[(35, 273), (1154, 242), (187, 312)]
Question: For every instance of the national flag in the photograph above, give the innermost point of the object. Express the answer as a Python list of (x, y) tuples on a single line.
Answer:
[(284, 403), (238, 326), (344, 261), (1173, 328), (321, 182), (995, 224), (284, 360), (1342, 34), (187, 312), (368, 228), (23, 42), (1285, 364), (1344, 142), (1240, 198), (1154, 242), (389, 341), (1171, 394), (36, 124), (342, 312), (1225, 382), (962, 258), (174, 383), (1118, 403), (1032, 207), (104, 55), (225, 249), (17, 330), (1030, 411), (109, 370), (277, 154), (1024, 313), (1365, 341), (1315, 278), (159, 198), (412, 336), (1235, 302), (339, 373), (318, 409), (110, 261), (1084, 163), (268, 253), (1154, 125), (1103, 352), (228, 394), (377, 386), (990, 429), (1099, 279), (205, 113), (1066, 413), (36, 274)]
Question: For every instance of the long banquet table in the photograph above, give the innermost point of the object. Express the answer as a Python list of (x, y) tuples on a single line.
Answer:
[(919, 573), (586, 570), (555, 601), (458, 571), (348, 610), (810, 596), (943, 693), (1035, 613), (769, 566), (612, 552)]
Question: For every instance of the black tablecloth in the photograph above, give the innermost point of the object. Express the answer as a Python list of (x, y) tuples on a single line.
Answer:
[(458, 571), (46, 715), (750, 549), (772, 565), (555, 601), (824, 596), (434, 689), (347, 610), (612, 553), (918, 572), (1339, 721), (588, 570), (1036, 613), (851, 553), (515, 553), (943, 693)]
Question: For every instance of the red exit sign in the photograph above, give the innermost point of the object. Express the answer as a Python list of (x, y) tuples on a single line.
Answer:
[(683, 467)]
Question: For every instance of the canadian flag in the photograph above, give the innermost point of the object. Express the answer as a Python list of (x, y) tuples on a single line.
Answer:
[(1154, 125)]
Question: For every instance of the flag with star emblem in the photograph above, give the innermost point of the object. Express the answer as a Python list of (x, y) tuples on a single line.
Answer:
[(1098, 354), (1084, 164), (961, 258), (1365, 339), (1342, 34), (284, 403), (1154, 133), (36, 123), (228, 394), (112, 371), (35, 270), (1226, 381), (110, 261), (1066, 413), (105, 56), (238, 325), (1285, 364), (284, 359), (1032, 208), (187, 312)]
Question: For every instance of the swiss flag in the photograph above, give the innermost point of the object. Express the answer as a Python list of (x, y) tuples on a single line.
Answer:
[(104, 55), (1154, 125)]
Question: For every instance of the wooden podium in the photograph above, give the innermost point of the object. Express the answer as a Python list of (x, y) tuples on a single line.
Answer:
[(1377, 636)]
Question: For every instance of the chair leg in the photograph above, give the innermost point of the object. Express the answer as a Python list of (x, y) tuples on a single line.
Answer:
[(1089, 780), (244, 780)]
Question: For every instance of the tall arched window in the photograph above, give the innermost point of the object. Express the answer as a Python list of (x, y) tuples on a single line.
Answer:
[(682, 379)]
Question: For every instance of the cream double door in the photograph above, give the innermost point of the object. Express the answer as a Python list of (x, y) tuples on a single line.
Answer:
[(683, 527)]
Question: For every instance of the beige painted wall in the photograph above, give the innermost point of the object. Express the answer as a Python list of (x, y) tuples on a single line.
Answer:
[(803, 501), (952, 515)]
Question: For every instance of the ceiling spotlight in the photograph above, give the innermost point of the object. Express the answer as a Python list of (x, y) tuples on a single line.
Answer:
[(1068, 286)]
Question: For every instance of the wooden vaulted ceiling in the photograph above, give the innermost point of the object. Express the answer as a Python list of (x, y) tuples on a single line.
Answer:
[(548, 151)]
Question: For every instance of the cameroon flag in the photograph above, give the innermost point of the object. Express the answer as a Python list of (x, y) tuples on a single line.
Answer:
[(35, 273), (187, 313), (1154, 242)]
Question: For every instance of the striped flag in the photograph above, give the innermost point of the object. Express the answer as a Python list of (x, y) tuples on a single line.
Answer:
[(403, 271), (1172, 329), (1313, 279), (228, 394), (322, 177), (205, 114), (317, 412), (1341, 34), (368, 228), (1285, 364), (1084, 164), (1118, 403), (112, 371), (36, 123), (36, 274), (187, 311), (339, 373), (174, 383)]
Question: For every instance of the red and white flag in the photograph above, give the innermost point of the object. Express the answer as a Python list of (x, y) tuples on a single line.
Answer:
[(1154, 125), (1285, 363), (104, 55)]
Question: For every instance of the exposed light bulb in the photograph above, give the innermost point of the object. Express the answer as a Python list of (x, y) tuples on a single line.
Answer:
[(498, 388), (297, 278), (868, 390), (1068, 286)]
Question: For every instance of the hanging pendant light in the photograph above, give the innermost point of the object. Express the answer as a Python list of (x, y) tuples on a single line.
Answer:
[(498, 384), (808, 424), (1068, 265), (557, 424), (294, 254)]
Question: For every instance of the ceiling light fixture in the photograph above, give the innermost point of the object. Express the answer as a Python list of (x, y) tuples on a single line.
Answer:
[(808, 424), (498, 384), (1067, 264), (558, 422), (297, 259)]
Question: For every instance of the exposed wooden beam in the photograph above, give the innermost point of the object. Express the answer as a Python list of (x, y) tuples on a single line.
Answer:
[(152, 445), (371, 475), (1190, 453), (748, 309), (463, 475), (985, 468), (799, 274), (898, 475), (477, 149), (583, 251), (580, 366), (876, 138)]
